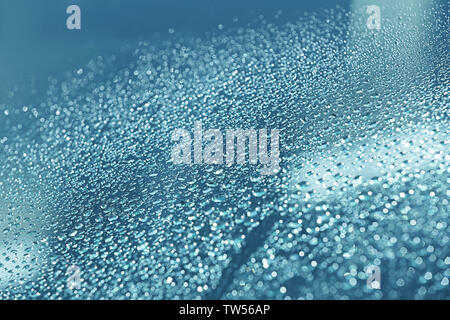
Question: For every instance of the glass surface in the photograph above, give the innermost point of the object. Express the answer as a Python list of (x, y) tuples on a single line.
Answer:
[(94, 206)]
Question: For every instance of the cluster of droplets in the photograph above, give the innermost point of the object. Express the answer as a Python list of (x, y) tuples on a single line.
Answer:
[(86, 177)]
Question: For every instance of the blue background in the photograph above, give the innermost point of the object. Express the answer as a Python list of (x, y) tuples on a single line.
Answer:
[(35, 42)]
